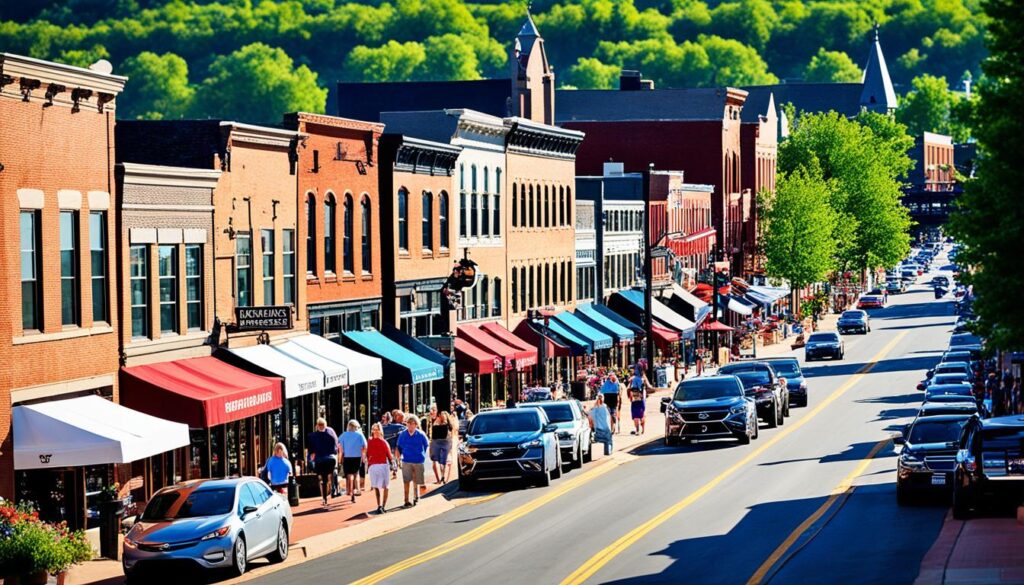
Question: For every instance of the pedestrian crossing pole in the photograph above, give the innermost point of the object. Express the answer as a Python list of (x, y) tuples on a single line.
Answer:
[(648, 271)]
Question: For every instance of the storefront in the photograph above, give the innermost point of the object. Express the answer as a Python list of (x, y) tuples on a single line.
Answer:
[(622, 335), (67, 451), (512, 358), (669, 327), (558, 348), (233, 416), (406, 375)]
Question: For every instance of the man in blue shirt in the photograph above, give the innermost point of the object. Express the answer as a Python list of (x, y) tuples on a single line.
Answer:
[(322, 446), (412, 448)]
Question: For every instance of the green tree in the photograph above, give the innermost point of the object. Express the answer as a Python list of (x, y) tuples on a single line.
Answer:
[(751, 22), (449, 57), (157, 87), (931, 107), (392, 61), (990, 218), (832, 67), (590, 73), (799, 228), (257, 83), (733, 63)]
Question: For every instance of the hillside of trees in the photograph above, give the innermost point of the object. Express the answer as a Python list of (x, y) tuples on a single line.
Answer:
[(252, 59)]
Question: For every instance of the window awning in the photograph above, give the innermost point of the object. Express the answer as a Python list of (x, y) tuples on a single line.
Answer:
[(688, 305), (594, 337), (490, 344), (361, 368), (715, 326), (201, 392), (738, 305), (611, 315), (589, 314), (300, 378), (473, 359), (661, 313), (415, 345), (553, 347), (88, 430), (766, 295), (526, 353), (576, 343), (403, 366), (663, 337), (335, 373)]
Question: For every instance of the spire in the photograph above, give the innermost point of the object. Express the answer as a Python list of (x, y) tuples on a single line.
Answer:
[(878, 94), (528, 34)]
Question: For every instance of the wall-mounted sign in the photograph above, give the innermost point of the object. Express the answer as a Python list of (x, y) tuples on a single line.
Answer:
[(263, 318)]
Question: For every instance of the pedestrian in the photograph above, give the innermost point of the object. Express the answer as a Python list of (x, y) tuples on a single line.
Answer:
[(610, 392), (278, 469), (322, 447), (380, 461), (412, 450), (391, 432), (601, 422), (353, 451), (638, 403), (441, 431)]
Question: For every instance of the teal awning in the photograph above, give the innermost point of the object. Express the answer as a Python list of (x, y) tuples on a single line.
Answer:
[(594, 338), (577, 344), (402, 366), (590, 315)]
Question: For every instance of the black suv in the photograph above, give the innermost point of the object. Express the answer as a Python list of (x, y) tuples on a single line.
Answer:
[(928, 456), (763, 385), (789, 368), (509, 443), (707, 408), (989, 464), (855, 321), (824, 343)]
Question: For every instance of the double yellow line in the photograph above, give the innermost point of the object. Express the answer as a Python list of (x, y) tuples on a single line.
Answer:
[(605, 555)]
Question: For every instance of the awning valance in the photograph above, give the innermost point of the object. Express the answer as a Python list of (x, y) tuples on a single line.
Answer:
[(361, 368), (588, 313), (739, 305), (766, 295), (473, 359), (88, 430), (200, 392), (576, 343), (553, 347), (415, 345), (492, 345), (595, 338), (300, 378), (402, 366), (526, 353)]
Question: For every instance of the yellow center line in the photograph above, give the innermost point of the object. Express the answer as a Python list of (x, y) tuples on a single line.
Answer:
[(488, 527), (605, 555), (844, 488)]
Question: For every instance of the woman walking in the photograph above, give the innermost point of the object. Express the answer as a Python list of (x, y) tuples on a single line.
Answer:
[(380, 460), (441, 431), (278, 469), (601, 421), (353, 450)]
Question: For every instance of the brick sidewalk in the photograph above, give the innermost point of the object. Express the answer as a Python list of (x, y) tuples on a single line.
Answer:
[(983, 550)]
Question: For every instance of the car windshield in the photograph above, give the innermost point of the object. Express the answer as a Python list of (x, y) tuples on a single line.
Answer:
[(558, 412), (504, 422), (936, 431), (706, 390), (951, 368), (751, 378), (786, 368), (964, 339), (949, 378), (956, 356), (851, 315), (174, 505), (822, 337)]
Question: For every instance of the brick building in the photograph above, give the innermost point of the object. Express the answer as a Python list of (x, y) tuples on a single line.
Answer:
[(685, 229), (931, 185), (759, 143)]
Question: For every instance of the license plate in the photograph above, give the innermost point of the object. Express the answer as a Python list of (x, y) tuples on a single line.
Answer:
[(938, 480)]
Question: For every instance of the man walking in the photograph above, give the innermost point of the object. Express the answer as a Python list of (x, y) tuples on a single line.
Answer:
[(412, 449), (394, 426), (322, 447)]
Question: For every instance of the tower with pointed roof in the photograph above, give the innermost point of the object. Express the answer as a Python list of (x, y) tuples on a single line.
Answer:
[(878, 94), (533, 81)]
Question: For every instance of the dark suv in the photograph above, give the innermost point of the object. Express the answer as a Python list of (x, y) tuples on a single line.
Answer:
[(928, 455), (989, 464), (707, 408), (763, 385), (509, 443), (855, 321), (789, 368), (824, 343)]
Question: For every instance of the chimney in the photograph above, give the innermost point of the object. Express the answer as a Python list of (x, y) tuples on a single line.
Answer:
[(614, 169), (629, 80)]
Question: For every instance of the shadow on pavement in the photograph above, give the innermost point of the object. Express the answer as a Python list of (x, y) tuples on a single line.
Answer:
[(839, 368), (854, 452), (912, 398)]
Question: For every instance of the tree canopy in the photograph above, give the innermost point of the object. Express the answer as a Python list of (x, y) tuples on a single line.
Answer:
[(799, 228), (677, 43), (931, 107)]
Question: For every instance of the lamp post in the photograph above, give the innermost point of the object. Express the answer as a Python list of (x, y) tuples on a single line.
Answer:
[(648, 272)]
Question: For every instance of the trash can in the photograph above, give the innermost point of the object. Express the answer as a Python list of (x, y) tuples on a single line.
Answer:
[(111, 513)]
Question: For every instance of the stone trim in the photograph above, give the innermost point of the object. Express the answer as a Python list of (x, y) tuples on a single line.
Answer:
[(99, 200), (31, 198), (261, 135), (338, 122), (158, 207), (169, 235), (58, 388), (142, 235), (66, 85), (69, 199), (164, 176), (194, 236), (61, 335)]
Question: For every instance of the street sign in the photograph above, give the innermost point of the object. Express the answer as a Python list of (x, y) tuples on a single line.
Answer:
[(269, 318)]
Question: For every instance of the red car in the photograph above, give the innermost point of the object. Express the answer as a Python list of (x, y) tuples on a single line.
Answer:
[(870, 302)]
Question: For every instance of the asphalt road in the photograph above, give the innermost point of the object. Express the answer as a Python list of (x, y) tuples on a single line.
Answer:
[(816, 496)]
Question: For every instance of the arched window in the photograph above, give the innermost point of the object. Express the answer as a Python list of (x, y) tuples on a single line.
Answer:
[(545, 204), (530, 289), (568, 205), (367, 236), (485, 214), (514, 291), (563, 282), (515, 209), (485, 299), (522, 289), (496, 304), (522, 205), (347, 259), (329, 233), (472, 178), (496, 226), (428, 220), (555, 299), (487, 180), (561, 205), (403, 219), (310, 234), (442, 217), (547, 284), (530, 204)]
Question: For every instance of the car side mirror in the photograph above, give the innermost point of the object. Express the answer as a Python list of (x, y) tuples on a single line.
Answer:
[(248, 510), (550, 428), (897, 439)]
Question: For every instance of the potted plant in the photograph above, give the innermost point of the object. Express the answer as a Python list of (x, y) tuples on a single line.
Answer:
[(31, 550)]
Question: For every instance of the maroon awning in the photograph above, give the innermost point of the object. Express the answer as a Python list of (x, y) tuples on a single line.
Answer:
[(526, 354)]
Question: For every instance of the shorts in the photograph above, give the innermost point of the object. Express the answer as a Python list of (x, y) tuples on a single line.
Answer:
[(380, 476), (638, 408), (413, 472), (612, 400), (325, 467), (439, 450), (350, 465)]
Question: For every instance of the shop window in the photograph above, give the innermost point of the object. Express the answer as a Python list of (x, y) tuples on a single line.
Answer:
[(139, 277), (98, 264), (243, 269), (31, 292), (346, 251), (194, 286), (167, 265), (288, 265), (267, 248), (69, 268), (367, 249)]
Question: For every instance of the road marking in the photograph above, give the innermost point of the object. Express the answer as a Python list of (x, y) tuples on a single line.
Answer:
[(594, 563), (488, 527), (843, 490)]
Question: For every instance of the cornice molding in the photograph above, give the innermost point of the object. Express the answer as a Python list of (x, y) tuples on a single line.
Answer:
[(339, 122), (261, 135), (24, 78), (164, 176)]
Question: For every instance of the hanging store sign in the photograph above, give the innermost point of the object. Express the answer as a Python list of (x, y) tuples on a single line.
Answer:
[(271, 318)]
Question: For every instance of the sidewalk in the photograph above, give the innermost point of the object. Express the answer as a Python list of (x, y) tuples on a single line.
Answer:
[(984, 550)]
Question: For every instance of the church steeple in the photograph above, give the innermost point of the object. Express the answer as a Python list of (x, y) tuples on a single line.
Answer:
[(533, 82), (878, 94)]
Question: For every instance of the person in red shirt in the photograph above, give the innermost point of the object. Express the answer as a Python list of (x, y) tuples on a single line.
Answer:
[(379, 461)]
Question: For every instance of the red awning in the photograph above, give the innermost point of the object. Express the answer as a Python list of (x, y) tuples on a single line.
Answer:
[(715, 326), (663, 337), (534, 337), (526, 354), (472, 359), (200, 392), (489, 343)]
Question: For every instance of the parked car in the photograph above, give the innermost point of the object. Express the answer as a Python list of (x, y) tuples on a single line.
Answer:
[(855, 321), (768, 390), (710, 407), (824, 344), (928, 455), (870, 302), (945, 379), (940, 281), (938, 390), (942, 408), (989, 463), (958, 356), (789, 368), (895, 287), (510, 443), (210, 524), (957, 367), (574, 434), (908, 274)]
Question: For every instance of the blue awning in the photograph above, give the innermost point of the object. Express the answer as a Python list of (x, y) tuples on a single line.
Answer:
[(739, 305), (415, 345), (619, 319), (661, 313), (766, 295), (593, 336), (403, 366), (589, 314), (577, 344)]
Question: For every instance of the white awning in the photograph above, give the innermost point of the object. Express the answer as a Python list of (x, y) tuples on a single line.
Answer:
[(666, 315), (89, 430), (335, 373), (299, 378), (361, 367), (737, 305)]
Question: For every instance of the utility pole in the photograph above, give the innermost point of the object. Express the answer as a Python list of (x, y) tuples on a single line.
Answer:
[(648, 272), (714, 303)]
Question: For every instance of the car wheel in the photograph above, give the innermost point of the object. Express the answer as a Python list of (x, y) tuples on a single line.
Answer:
[(773, 417), (557, 471), (280, 553), (743, 438), (785, 410), (757, 429), (588, 455), (543, 479), (239, 556), (671, 440)]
